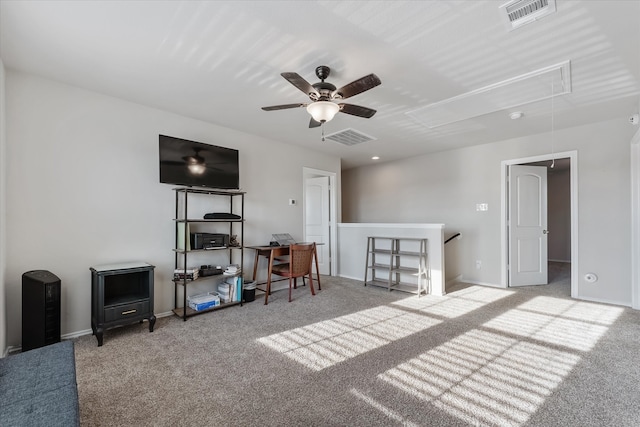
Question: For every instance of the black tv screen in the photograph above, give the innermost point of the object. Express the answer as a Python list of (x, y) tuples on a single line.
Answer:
[(194, 164)]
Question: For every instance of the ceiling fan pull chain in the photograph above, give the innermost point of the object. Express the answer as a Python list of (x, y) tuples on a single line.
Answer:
[(322, 127)]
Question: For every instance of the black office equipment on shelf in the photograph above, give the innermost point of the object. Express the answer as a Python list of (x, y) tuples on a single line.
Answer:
[(40, 309)]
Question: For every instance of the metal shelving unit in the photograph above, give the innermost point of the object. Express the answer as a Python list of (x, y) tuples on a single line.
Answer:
[(182, 244), (402, 260)]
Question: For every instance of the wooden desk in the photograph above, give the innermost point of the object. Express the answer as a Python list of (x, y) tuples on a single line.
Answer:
[(272, 253)]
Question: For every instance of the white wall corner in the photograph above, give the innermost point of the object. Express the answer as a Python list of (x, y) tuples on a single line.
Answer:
[(453, 281), (3, 201)]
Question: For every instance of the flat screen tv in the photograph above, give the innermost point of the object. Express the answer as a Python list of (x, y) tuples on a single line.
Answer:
[(195, 164)]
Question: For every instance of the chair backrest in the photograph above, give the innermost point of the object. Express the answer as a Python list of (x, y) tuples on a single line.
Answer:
[(300, 258)]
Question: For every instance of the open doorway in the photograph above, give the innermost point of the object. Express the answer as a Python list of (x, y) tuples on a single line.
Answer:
[(562, 219), (319, 213), (558, 221)]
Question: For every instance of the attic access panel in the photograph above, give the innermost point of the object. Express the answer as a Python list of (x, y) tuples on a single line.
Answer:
[(514, 92)]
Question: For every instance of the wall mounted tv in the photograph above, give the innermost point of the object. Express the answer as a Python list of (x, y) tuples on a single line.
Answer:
[(194, 164)]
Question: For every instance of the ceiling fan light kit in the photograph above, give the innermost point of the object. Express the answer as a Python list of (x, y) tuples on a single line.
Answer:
[(323, 111)]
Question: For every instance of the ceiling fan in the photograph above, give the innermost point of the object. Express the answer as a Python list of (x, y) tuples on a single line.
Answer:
[(323, 94)]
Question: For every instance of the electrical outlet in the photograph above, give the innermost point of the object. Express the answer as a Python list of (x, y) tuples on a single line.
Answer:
[(478, 264)]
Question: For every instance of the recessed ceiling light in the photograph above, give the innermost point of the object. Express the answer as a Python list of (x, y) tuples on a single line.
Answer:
[(516, 115), (375, 158)]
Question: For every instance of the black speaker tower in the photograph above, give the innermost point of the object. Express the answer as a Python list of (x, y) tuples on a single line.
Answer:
[(40, 309)]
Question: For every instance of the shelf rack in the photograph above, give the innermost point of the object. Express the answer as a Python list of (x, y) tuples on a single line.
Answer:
[(182, 249), (400, 259)]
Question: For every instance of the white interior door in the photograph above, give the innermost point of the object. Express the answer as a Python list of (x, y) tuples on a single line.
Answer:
[(317, 219), (528, 225)]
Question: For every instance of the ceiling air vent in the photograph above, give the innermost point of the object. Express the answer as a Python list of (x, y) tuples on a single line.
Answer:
[(349, 137), (517, 13)]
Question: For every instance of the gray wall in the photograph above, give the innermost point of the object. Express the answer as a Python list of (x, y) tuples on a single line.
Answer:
[(83, 189), (445, 188), (559, 209)]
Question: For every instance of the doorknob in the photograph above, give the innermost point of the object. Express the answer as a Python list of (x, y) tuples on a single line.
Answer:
[(545, 231)]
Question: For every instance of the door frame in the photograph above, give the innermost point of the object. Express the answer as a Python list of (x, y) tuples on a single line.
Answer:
[(333, 203), (504, 207)]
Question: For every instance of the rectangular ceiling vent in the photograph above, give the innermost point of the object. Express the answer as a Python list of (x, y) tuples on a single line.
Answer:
[(349, 137), (517, 13)]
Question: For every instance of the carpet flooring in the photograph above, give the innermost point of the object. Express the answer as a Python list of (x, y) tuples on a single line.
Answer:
[(363, 356)]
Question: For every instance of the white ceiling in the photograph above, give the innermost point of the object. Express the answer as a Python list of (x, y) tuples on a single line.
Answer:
[(220, 61)]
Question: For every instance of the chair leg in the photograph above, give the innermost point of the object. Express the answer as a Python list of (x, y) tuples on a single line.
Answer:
[(311, 285), (289, 288), (315, 257), (295, 283)]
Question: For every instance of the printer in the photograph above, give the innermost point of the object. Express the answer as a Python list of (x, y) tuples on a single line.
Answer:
[(209, 240)]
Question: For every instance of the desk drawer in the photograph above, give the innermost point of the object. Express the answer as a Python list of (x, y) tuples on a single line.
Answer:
[(118, 312)]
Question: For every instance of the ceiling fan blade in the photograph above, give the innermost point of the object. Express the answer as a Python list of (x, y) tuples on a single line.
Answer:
[(296, 80), (283, 107), (357, 86), (356, 110), (313, 123)]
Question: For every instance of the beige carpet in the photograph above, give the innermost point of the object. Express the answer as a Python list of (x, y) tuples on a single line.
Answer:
[(362, 356)]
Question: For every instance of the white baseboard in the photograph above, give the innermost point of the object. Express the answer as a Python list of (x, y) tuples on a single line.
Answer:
[(83, 332), (359, 279), (76, 334), (165, 314), (10, 350), (604, 301), (475, 282), (456, 279)]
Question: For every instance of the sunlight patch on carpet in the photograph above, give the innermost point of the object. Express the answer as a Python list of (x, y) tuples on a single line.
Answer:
[(484, 377), (573, 324), (324, 344), (390, 413), (572, 309), (501, 373), (455, 304)]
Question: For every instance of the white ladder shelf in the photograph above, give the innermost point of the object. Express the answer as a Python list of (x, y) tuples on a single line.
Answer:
[(400, 259)]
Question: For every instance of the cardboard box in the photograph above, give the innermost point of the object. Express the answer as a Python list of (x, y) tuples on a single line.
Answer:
[(203, 301)]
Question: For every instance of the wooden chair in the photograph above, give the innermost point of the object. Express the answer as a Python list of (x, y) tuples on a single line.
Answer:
[(299, 265)]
